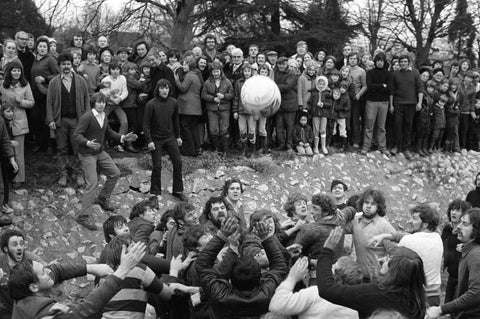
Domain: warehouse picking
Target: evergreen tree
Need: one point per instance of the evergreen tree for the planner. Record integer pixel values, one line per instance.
(462, 32)
(16, 15)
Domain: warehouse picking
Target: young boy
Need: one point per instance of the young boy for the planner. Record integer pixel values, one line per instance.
(341, 109)
(115, 225)
(303, 136)
(334, 79)
(424, 120)
(90, 134)
(162, 133)
(438, 122)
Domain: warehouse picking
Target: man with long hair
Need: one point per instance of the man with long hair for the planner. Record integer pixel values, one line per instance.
(466, 304)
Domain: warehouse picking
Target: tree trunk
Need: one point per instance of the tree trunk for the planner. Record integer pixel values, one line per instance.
(275, 19)
(181, 25)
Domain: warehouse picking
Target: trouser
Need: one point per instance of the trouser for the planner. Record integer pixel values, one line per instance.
(463, 129)
(133, 119)
(375, 113)
(190, 132)
(20, 158)
(64, 137)
(451, 288)
(285, 125)
(248, 124)
(342, 127)
(218, 122)
(121, 115)
(170, 146)
(105, 165)
(357, 117)
(6, 179)
(38, 127)
(403, 118)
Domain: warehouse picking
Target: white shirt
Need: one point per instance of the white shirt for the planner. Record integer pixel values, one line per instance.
(99, 116)
(429, 246)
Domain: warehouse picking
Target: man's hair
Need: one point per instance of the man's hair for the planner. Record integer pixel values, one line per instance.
(326, 203)
(386, 314)
(208, 205)
(110, 224)
(191, 62)
(91, 49)
(65, 56)
(428, 215)
(209, 36)
(9, 233)
(403, 57)
(113, 66)
(474, 214)
(355, 54)
(97, 97)
(229, 182)
(162, 225)
(336, 182)
(17, 35)
(457, 204)
(173, 53)
(377, 197)
(192, 235)
(246, 273)
(289, 206)
(162, 83)
(259, 215)
(237, 51)
(349, 272)
(180, 209)
(253, 46)
(77, 34)
(113, 251)
(21, 276)
(352, 201)
(141, 207)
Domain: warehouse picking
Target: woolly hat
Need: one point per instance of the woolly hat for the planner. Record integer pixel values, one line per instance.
(321, 78)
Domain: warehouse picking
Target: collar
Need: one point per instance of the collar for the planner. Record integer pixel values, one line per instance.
(366, 221)
(468, 247)
(68, 77)
(407, 69)
(95, 113)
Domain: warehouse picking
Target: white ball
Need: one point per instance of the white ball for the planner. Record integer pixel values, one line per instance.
(261, 96)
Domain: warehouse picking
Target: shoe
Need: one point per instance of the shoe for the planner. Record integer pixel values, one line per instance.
(407, 155)
(356, 145)
(386, 153)
(80, 180)
(105, 205)
(421, 152)
(394, 151)
(119, 148)
(130, 148)
(180, 196)
(364, 152)
(5, 220)
(7, 209)
(62, 181)
(50, 151)
(86, 222)
(36, 149)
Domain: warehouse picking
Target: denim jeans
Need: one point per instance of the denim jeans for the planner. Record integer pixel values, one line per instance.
(375, 112)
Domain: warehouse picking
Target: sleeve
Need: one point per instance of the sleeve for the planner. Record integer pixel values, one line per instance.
(142, 233)
(206, 95)
(228, 95)
(363, 79)
(49, 105)
(471, 297)
(81, 130)
(97, 299)
(66, 271)
(151, 282)
(111, 134)
(300, 91)
(123, 88)
(176, 121)
(147, 116)
(353, 297)
(27, 99)
(236, 97)
(158, 265)
(7, 149)
(185, 85)
(52, 68)
(286, 302)
(210, 281)
(278, 267)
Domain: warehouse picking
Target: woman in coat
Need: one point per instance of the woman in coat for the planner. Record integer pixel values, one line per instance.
(16, 92)
(190, 106)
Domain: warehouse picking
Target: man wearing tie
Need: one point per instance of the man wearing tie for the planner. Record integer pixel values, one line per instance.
(92, 129)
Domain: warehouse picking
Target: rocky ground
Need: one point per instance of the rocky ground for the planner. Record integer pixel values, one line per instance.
(45, 211)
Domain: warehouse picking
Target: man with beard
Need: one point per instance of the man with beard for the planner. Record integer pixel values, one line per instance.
(338, 189)
(12, 243)
(466, 304)
(214, 213)
(210, 43)
(426, 242)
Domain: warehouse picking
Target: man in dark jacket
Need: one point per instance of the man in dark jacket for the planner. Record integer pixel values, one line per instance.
(466, 304)
(285, 117)
(378, 91)
(29, 282)
(247, 294)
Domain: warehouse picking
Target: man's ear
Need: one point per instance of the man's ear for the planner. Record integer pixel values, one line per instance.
(5, 250)
(33, 287)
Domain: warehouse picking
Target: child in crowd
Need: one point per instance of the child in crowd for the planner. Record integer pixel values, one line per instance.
(264, 70)
(452, 114)
(345, 76)
(438, 122)
(476, 122)
(341, 110)
(8, 171)
(424, 119)
(303, 136)
(130, 105)
(321, 112)
(334, 81)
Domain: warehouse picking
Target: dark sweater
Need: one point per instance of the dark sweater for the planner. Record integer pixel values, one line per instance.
(27, 59)
(473, 197)
(378, 85)
(160, 120)
(88, 129)
(162, 71)
(405, 85)
(365, 298)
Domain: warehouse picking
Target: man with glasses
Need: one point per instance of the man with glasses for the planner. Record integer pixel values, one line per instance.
(234, 70)
(24, 54)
